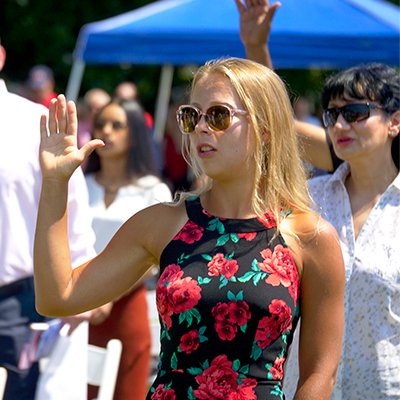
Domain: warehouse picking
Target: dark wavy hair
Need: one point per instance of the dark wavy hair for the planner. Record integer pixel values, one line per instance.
(142, 155)
(375, 82)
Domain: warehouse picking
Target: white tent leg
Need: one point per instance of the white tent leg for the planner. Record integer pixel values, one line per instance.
(164, 92)
(75, 80)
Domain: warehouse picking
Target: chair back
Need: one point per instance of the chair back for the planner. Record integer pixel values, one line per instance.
(103, 365)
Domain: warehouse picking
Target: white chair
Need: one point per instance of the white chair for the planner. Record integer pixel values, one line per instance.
(3, 381)
(103, 364)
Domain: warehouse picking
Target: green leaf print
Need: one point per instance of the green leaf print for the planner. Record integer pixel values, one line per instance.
(189, 315)
(202, 337)
(203, 281)
(182, 258)
(220, 227)
(174, 361)
(195, 371)
(244, 370)
(236, 365)
(164, 333)
(254, 265)
(243, 328)
(223, 239)
(246, 277)
(223, 283)
(277, 391)
(216, 224)
(207, 257)
(257, 278)
(227, 236)
(232, 297)
(191, 396)
(256, 351)
(234, 237)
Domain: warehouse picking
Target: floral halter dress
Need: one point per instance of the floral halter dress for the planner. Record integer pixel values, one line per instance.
(228, 302)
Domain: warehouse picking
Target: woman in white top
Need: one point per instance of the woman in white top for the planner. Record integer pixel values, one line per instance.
(362, 201)
(122, 179)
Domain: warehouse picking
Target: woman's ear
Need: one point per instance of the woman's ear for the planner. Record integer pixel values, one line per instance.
(394, 124)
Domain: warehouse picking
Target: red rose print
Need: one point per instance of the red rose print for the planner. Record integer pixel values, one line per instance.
(183, 294)
(269, 220)
(163, 306)
(239, 312)
(190, 233)
(170, 273)
(219, 265)
(282, 313)
(248, 236)
(220, 311)
(218, 381)
(175, 295)
(190, 341)
(277, 369)
(163, 394)
(245, 390)
(281, 269)
(225, 330)
(270, 328)
(228, 316)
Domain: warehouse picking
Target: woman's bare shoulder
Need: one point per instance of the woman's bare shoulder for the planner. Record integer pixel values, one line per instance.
(308, 227)
(157, 225)
(309, 236)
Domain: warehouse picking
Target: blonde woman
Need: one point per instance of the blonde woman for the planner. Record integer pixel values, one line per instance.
(237, 258)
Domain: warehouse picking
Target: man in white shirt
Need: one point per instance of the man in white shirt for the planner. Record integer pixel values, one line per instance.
(20, 183)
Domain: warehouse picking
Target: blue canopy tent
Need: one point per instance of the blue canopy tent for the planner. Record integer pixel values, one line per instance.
(305, 34)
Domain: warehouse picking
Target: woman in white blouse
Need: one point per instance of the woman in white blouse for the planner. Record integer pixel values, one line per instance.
(362, 201)
(122, 179)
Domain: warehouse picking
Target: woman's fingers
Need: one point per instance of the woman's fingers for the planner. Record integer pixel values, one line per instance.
(53, 126)
(61, 114)
(241, 8)
(91, 146)
(72, 119)
(43, 127)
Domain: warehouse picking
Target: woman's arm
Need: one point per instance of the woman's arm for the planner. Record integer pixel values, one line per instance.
(322, 306)
(314, 145)
(59, 289)
(255, 27)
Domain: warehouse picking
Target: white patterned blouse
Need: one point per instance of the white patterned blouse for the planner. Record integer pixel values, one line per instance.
(370, 366)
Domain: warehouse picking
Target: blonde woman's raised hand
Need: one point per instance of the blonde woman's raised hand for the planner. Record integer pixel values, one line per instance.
(255, 21)
(58, 152)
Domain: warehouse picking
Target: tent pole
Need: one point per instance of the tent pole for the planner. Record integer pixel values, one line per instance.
(75, 80)
(164, 92)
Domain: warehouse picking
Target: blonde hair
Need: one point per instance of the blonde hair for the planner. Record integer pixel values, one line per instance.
(280, 179)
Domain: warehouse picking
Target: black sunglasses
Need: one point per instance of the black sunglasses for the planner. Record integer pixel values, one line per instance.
(116, 125)
(218, 117)
(350, 112)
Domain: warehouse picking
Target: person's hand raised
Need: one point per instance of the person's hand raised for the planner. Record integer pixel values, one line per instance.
(58, 152)
(255, 21)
